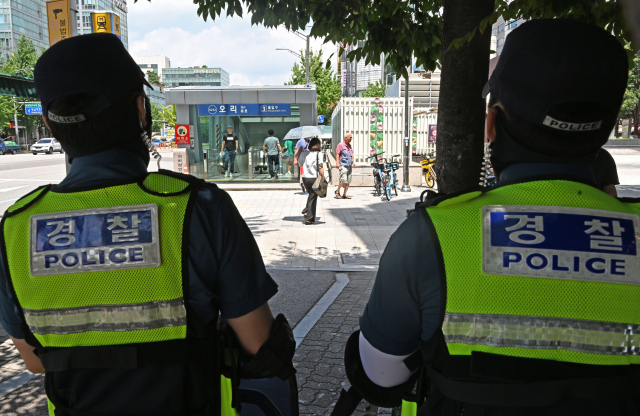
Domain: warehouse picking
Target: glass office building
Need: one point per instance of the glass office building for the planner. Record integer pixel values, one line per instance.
(29, 18)
(252, 112)
(187, 77)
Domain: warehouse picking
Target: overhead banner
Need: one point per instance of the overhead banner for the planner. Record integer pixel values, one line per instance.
(244, 109)
(58, 20)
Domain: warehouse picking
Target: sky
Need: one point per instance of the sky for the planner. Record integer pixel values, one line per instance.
(174, 29)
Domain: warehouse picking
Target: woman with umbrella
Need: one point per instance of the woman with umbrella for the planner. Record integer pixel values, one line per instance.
(312, 169)
(304, 134)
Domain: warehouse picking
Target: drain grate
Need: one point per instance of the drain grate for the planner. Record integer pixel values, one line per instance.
(360, 258)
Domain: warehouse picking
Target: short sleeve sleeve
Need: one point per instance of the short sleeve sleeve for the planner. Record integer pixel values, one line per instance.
(225, 260)
(404, 307)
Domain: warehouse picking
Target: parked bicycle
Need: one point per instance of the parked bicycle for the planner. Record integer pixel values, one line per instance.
(428, 167)
(393, 178)
(379, 177)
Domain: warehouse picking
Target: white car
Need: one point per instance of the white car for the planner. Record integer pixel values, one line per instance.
(49, 145)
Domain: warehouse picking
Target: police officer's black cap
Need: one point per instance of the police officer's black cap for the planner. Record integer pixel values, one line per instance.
(94, 63)
(550, 62)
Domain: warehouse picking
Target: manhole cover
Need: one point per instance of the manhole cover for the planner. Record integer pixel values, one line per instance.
(360, 258)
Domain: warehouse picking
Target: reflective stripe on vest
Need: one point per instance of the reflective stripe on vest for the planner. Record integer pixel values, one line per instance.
(526, 288)
(539, 332)
(107, 318)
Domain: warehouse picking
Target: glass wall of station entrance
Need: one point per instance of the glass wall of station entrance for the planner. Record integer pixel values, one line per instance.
(251, 162)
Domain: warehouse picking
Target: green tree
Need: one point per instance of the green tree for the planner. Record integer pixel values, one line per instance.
(632, 94)
(153, 78)
(450, 33)
(21, 63)
(375, 90)
(160, 112)
(328, 87)
(204, 66)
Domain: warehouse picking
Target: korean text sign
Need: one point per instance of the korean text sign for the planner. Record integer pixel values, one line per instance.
(244, 109)
(183, 135)
(58, 20)
(561, 243)
(98, 239)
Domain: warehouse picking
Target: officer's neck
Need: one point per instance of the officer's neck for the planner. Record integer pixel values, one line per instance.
(108, 166)
(523, 171)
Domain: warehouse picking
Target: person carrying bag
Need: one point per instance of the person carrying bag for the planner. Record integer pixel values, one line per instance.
(313, 180)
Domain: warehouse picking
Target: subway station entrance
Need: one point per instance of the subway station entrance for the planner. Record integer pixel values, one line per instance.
(252, 112)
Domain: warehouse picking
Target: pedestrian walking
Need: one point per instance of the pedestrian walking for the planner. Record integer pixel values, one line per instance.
(274, 152)
(344, 156)
(229, 150)
(302, 150)
(288, 150)
(312, 169)
(115, 281)
(520, 299)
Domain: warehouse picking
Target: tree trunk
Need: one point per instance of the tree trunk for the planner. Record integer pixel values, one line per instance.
(461, 110)
(635, 121)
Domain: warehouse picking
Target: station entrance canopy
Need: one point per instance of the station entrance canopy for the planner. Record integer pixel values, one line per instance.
(17, 86)
(252, 112)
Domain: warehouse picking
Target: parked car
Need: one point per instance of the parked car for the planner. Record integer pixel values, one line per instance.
(48, 145)
(8, 147)
(157, 142)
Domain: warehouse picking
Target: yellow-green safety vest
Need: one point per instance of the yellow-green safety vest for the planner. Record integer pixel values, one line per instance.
(103, 266)
(545, 269)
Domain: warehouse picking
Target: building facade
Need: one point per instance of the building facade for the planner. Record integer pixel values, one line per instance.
(356, 75)
(153, 63)
(499, 32)
(156, 95)
(194, 77)
(29, 18)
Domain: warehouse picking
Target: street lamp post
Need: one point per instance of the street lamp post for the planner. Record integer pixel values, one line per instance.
(407, 137)
(307, 58)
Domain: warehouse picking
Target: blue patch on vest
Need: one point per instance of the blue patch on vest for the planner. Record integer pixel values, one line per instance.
(561, 242)
(97, 239)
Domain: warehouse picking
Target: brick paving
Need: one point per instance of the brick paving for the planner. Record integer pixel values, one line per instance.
(319, 358)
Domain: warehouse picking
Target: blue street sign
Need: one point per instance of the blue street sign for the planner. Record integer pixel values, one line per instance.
(33, 109)
(244, 109)
(320, 119)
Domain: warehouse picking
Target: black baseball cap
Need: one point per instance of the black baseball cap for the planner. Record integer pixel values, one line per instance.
(93, 63)
(547, 63)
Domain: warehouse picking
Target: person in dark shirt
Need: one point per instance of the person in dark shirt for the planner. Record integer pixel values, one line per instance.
(223, 276)
(606, 173)
(229, 151)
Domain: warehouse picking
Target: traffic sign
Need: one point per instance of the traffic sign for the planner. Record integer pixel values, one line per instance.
(320, 119)
(105, 22)
(33, 109)
(182, 134)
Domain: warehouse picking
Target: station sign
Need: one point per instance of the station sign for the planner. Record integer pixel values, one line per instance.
(34, 109)
(244, 110)
(106, 23)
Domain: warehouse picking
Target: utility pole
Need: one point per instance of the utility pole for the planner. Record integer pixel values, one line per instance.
(308, 80)
(15, 120)
(407, 135)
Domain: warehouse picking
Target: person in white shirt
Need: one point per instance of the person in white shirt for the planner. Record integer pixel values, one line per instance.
(312, 168)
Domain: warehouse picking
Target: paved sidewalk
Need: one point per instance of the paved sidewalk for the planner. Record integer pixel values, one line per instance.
(348, 232)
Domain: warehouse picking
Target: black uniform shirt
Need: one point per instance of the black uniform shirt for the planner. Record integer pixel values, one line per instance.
(230, 142)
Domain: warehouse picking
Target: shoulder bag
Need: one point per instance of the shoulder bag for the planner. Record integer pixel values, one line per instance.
(320, 185)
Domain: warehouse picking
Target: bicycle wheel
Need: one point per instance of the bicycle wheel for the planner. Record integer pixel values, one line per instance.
(387, 188)
(377, 185)
(395, 184)
(430, 178)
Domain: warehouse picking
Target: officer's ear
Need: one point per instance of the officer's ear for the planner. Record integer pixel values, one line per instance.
(46, 122)
(142, 110)
(490, 125)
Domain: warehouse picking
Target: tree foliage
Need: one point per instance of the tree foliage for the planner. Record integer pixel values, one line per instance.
(375, 90)
(20, 63)
(632, 94)
(402, 29)
(328, 87)
(160, 112)
(153, 78)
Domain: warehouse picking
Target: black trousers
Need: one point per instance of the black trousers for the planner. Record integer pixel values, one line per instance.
(312, 200)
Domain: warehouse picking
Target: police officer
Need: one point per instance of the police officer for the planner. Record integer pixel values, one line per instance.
(519, 299)
(113, 281)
